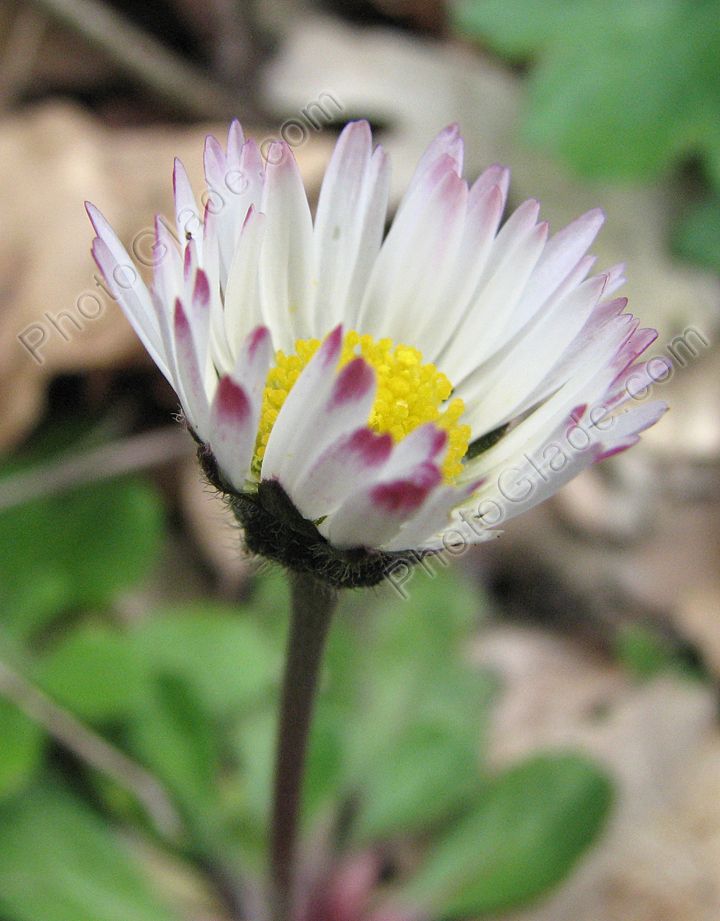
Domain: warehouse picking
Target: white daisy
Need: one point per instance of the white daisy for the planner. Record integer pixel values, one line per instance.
(360, 397)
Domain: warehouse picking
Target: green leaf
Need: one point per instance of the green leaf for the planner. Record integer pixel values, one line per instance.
(416, 753)
(326, 768)
(227, 659)
(423, 776)
(59, 862)
(93, 671)
(411, 671)
(21, 750)
(80, 547)
(646, 653)
(601, 92)
(515, 36)
(255, 741)
(526, 833)
(699, 236)
(175, 737)
(401, 721)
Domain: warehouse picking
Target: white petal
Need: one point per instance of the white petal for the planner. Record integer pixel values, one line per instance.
(216, 167)
(446, 144)
(530, 479)
(493, 309)
(615, 278)
(464, 529)
(586, 387)
(560, 256)
(286, 259)
(496, 394)
(415, 260)
(242, 297)
(219, 355)
(236, 142)
(425, 444)
(126, 285)
(349, 226)
(167, 264)
(493, 176)
(198, 312)
(194, 395)
(514, 231)
(628, 426)
(572, 358)
(234, 186)
(187, 215)
(218, 203)
(483, 218)
(242, 191)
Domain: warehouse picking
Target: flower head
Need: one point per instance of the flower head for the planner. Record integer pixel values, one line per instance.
(362, 398)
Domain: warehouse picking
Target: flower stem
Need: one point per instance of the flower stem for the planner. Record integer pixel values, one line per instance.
(313, 603)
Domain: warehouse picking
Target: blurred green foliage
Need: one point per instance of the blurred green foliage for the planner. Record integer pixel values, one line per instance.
(645, 652)
(619, 88)
(60, 861)
(522, 836)
(189, 692)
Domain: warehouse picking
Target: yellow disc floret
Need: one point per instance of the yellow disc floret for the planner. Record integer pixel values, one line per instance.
(409, 394)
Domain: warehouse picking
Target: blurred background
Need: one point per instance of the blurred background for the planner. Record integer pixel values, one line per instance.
(136, 704)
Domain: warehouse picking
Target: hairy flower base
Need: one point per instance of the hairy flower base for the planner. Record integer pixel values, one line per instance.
(276, 530)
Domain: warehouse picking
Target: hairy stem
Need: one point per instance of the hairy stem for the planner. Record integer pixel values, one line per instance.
(313, 603)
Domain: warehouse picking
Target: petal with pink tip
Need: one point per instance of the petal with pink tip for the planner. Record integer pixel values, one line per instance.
(346, 408)
(233, 428)
(195, 402)
(448, 144)
(433, 516)
(312, 387)
(236, 407)
(252, 364)
(372, 517)
(347, 465)
(425, 444)
(126, 285)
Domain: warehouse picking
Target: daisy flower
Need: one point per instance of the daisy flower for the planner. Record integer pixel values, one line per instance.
(364, 398)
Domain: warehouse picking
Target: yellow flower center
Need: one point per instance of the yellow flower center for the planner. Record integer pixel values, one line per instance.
(409, 394)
